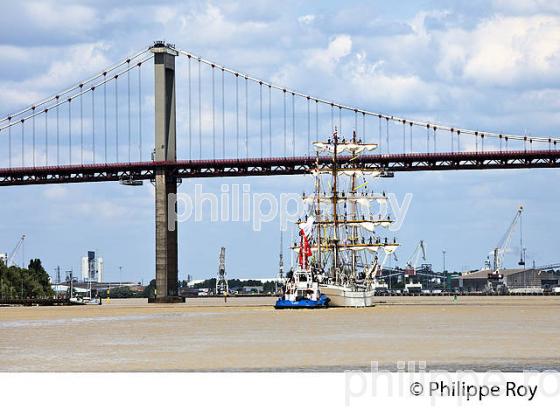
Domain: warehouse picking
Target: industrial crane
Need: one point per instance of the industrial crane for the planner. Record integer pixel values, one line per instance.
(13, 254)
(502, 247)
(410, 268)
(221, 281)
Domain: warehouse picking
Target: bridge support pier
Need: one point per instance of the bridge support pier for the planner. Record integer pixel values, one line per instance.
(165, 182)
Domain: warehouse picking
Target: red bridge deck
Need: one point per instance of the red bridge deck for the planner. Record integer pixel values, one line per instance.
(279, 166)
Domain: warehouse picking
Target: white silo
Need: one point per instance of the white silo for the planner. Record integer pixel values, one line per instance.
(99, 268)
(85, 268)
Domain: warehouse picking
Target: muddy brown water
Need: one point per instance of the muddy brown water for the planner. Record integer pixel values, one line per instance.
(247, 334)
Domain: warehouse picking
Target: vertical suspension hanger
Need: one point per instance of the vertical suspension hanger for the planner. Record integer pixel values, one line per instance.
(237, 113)
(411, 125)
(247, 116)
(356, 122)
(476, 140)
(82, 124)
(404, 136)
(213, 111)
(387, 132)
(189, 83)
(105, 115)
(379, 136)
(451, 132)
(363, 126)
(308, 126)
(435, 141)
(141, 143)
(293, 124)
(199, 110)
(117, 116)
(33, 134)
(332, 118)
(270, 119)
(57, 130)
(129, 113)
(22, 142)
(9, 142)
(261, 117)
(427, 137)
(93, 121)
(223, 115)
(285, 142)
(46, 112)
(316, 119)
(340, 121)
(69, 130)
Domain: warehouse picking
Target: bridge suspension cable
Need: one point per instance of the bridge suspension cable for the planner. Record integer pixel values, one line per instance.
(42, 149)
(388, 118)
(77, 86)
(288, 129)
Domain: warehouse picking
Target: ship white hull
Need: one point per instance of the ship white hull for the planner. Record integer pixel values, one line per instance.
(342, 296)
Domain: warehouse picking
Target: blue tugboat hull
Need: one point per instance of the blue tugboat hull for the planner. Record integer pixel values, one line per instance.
(323, 302)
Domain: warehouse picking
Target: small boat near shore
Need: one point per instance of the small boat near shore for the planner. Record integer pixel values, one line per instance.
(301, 291)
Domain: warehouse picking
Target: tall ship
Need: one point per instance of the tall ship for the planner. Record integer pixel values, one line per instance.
(341, 240)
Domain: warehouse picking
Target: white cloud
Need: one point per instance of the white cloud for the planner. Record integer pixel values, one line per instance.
(54, 15)
(386, 89)
(306, 20)
(73, 64)
(76, 63)
(327, 59)
(211, 26)
(164, 15)
(526, 6)
(503, 51)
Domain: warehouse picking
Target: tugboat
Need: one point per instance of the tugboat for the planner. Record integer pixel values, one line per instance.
(345, 247)
(300, 289)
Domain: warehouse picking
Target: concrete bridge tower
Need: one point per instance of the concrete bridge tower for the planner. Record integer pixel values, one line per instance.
(165, 181)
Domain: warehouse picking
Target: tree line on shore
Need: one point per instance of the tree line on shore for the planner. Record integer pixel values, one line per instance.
(21, 283)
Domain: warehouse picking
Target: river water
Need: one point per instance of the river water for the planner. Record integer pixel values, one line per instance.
(247, 334)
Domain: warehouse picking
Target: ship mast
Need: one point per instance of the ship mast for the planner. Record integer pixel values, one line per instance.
(335, 203)
(354, 216)
(318, 212)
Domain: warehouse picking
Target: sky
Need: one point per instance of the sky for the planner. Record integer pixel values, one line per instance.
(480, 64)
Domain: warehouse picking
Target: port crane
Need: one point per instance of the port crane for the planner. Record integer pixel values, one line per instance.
(411, 263)
(13, 254)
(502, 247)
(280, 263)
(221, 281)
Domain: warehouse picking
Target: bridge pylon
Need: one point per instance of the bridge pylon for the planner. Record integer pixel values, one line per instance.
(165, 181)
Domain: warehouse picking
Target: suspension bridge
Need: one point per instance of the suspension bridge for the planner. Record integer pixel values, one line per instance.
(190, 117)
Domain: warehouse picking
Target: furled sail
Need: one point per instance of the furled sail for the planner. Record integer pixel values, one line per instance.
(363, 200)
(368, 225)
(349, 172)
(351, 147)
